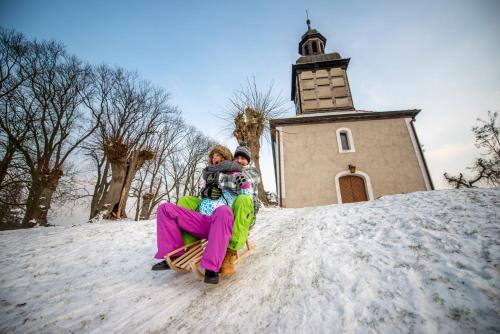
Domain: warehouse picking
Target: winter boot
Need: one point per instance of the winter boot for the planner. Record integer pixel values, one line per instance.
(163, 265)
(211, 277)
(227, 268)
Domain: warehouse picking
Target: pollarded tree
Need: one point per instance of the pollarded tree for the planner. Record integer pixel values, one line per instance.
(486, 169)
(248, 114)
(132, 109)
(99, 101)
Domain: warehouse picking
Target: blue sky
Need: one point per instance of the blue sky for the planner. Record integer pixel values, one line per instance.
(439, 56)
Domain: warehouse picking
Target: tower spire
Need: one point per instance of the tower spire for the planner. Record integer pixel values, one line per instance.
(312, 42)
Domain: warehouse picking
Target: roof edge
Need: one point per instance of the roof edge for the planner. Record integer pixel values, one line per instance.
(355, 116)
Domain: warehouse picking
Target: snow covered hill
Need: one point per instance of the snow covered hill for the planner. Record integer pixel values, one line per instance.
(425, 262)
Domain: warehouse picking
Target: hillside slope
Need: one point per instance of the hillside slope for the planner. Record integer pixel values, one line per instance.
(421, 262)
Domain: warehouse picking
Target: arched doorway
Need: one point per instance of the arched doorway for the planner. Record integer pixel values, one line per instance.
(352, 189)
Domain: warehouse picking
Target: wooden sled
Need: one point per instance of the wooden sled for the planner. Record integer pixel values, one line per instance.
(181, 264)
(193, 252)
(240, 255)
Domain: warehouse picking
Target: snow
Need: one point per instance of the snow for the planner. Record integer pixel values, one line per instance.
(424, 262)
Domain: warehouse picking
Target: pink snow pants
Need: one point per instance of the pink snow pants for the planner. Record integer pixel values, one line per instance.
(217, 229)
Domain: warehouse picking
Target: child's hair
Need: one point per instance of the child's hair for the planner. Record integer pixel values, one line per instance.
(222, 150)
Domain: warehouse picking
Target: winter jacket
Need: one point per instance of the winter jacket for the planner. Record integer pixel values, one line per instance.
(212, 175)
(225, 166)
(227, 181)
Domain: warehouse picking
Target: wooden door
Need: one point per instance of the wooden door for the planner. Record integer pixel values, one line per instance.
(352, 189)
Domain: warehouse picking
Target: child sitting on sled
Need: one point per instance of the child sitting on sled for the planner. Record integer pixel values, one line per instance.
(245, 206)
(212, 222)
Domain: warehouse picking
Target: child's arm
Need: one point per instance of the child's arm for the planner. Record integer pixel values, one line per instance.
(228, 182)
(252, 175)
(241, 183)
(247, 189)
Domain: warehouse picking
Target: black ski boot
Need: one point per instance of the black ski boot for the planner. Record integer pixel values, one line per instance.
(211, 277)
(163, 265)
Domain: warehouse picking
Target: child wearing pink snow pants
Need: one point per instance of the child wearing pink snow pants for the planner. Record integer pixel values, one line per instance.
(217, 229)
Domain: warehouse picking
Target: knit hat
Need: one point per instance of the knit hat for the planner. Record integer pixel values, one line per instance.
(244, 151)
(222, 150)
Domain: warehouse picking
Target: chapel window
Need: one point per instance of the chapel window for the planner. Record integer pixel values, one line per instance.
(344, 141)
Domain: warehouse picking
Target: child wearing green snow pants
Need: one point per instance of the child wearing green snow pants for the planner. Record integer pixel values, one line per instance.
(243, 218)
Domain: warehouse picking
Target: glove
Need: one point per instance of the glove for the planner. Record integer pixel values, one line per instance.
(240, 180)
(212, 178)
(212, 193)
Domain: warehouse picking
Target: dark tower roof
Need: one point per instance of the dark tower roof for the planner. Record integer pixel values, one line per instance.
(310, 34)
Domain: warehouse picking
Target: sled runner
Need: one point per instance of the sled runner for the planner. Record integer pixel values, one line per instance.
(191, 254)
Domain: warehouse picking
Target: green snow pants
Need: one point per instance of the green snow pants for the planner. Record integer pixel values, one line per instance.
(191, 203)
(243, 218)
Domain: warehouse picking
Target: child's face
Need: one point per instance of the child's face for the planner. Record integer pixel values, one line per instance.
(241, 160)
(216, 158)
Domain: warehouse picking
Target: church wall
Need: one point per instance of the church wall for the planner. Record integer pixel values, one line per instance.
(383, 150)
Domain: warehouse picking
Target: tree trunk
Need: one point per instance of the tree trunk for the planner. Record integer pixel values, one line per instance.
(249, 127)
(100, 189)
(155, 199)
(32, 203)
(6, 160)
(124, 170)
(131, 170)
(254, 145)
(11, 216)
(118, 174)
(151, 207)
(138, 207)
(45, 202)
(136, 161)
(40, 198)
(146, 204)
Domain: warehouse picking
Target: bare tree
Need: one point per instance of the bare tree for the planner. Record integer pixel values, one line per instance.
(13, 131)
(194, 158)
(13, 194)
(99, 100)
(176, 171)
(13, 48)
(52, 105)
(486, 169)
(149, 185)
(181, 169)
(102, 182)
(14, 175)
(132, 110)
(49, 103)
(248, 115)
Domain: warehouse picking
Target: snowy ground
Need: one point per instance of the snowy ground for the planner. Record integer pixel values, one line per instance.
(426, 262)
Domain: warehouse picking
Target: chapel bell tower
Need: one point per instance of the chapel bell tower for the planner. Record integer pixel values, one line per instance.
(319, 79)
